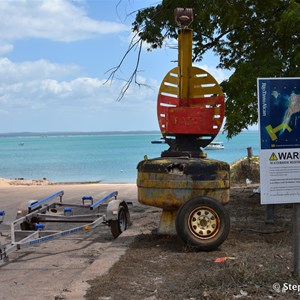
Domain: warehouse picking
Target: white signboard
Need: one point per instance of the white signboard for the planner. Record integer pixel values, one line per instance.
(279, 119)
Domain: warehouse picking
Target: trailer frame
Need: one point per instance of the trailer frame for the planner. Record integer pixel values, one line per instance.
(32, 219)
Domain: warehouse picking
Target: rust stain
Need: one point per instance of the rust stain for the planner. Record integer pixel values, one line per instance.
(169, 182)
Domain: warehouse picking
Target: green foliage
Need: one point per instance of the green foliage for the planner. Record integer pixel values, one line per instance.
(253, 38)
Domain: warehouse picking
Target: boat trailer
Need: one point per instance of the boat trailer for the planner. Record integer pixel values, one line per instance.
(32, 217)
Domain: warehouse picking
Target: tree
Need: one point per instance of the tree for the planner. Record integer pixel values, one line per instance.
(253, 38)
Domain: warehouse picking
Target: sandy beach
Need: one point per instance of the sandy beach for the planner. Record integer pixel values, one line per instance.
(44, 272)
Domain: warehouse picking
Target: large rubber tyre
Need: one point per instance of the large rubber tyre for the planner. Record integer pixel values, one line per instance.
(203, 223)
(121, 224)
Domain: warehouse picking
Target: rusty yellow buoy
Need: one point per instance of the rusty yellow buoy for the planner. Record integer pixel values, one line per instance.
(190, 188)
(175, 184)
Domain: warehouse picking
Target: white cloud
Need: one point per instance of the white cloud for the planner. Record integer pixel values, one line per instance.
(83, 104)
(36, 85)
(42, 95)
(30, 70)
(57, 20)
(5, 47)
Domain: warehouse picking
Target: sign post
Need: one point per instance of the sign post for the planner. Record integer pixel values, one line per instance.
(296, 242)
(279, 119)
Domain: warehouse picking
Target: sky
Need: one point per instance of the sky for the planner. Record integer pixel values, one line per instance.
(55, 60)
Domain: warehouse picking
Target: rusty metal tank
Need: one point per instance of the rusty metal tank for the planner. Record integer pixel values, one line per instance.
(169, 182)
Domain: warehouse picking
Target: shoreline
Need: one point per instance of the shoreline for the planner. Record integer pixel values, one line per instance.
(46, 182)
(242, 171)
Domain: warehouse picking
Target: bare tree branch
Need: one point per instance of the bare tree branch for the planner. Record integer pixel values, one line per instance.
(134, 44)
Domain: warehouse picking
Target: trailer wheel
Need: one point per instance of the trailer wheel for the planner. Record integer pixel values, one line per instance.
(121, 224)
(203, 223)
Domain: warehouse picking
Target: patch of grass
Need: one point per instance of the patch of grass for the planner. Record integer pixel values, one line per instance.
(245, 169)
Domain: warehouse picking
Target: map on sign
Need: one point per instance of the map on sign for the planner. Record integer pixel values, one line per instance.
(279, 112)
(279, 120)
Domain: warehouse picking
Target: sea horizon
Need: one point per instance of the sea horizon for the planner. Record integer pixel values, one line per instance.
(106, 157)
(87, 133)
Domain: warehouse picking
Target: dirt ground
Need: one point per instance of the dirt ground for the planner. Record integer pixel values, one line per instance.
(258, 258)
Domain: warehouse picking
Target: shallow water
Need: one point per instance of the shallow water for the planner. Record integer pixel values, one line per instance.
(106, 158)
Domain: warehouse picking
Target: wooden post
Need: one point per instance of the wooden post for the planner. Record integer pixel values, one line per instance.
(296, 234)
(249, 151)
(269, 218)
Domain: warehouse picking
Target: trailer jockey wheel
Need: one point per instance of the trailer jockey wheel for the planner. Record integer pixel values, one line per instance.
(29, 225)
(203, 223)
(121, 224)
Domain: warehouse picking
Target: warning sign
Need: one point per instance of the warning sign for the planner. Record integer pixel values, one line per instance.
(273, 157)
(279, 120)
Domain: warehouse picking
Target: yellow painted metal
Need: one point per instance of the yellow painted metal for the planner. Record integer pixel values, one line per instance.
(172, 199)
(170, 89)
(169, 182)
(186, 81)
(184, 61)
(200, 84)
(192, 80)
(169, 188)
(171, 79)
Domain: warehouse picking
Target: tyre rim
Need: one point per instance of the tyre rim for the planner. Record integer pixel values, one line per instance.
(204, 222)
(122, 221)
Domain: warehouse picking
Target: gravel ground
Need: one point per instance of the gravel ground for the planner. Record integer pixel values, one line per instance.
(256, 256)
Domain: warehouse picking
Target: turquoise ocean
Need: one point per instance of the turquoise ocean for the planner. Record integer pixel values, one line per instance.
(109, 158)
